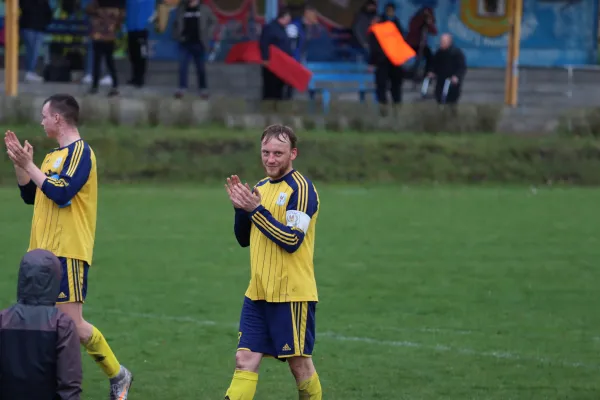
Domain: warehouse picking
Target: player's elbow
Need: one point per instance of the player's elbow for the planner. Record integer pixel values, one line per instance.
(28, 199)
(244, 242)
(243, 238)
(60, 197)
(291, 248)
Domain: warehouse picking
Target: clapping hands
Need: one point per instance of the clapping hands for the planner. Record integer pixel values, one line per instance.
(21, 156)
(241, 195)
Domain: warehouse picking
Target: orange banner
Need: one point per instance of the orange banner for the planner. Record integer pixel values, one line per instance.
(392, 42)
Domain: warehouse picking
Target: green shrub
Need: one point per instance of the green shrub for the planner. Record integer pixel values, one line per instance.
(192, 155)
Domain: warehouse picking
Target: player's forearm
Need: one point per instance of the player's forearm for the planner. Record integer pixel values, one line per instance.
(242, 227)
(56, 190)
(284, 236)
(36, 175)
(26, 185)
(22, 176)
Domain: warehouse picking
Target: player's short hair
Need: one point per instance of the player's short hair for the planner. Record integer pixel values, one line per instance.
(283, 12)
(66, 106)
(281, 132)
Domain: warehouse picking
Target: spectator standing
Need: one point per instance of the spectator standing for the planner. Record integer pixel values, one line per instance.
(387, 75)
(389, 14)
(194, 27)
(106, 19)
(39, 345)
(297, 32)
(362, 22)
(421, 25)
(35, 17)
(138, 13)
(106, 80)
(274, 33)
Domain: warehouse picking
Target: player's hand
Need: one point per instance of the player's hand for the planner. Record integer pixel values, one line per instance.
(9, 139)
(248, 199)
(19, 155)
(28, 148)
(231, 182)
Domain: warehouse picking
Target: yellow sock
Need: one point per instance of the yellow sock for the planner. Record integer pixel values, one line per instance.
(243, 385)
(102, 354)
(310, 389)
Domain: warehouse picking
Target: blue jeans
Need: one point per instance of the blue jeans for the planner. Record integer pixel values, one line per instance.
(33, 43)
(194, 51)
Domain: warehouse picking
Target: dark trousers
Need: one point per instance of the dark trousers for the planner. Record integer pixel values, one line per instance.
(426, 56)
(104, 50)
(389, 76)
(194, 52)
(273, 87)
(138, 55)
(288, 92)
(453, 92)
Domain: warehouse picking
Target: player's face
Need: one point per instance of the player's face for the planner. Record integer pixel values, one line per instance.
(49, 121)
(277, 157)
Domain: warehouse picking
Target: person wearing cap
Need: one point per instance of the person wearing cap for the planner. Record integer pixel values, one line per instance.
(39, 345)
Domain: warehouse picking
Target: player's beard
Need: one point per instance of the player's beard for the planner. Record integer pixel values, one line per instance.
(277, 172)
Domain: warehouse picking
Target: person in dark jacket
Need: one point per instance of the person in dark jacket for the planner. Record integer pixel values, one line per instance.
(386, 73)
(274, 33)
(138, 13)
(194, 27)
(39, 345)
(448, 63)
(362, 22)
(389, 14)
(297, 32)
(35, 17)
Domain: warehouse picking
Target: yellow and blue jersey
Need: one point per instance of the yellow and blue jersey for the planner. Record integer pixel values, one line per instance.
(281, 236)
(65, 207)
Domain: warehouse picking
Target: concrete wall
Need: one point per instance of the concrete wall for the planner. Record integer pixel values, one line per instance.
(545, 95)
(239, 112)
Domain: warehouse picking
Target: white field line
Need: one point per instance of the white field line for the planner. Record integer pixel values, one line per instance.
(499, 355)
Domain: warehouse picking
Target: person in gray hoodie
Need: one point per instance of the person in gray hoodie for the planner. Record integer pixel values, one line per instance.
(39, 345)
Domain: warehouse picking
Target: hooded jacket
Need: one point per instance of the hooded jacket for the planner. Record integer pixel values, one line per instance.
(362, 22)
(39, 347)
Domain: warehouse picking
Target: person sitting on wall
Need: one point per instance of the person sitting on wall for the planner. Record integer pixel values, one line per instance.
(448, 63)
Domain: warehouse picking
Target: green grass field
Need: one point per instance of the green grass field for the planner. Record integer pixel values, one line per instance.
(426, 293)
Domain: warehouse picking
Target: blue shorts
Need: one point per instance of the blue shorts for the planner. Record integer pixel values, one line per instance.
(73, 285)
(279, 330)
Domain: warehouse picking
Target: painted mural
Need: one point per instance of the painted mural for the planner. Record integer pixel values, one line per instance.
(553, 33)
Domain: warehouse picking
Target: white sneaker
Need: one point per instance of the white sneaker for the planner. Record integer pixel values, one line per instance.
(33, 77)
(106, 81)
(87, 79)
